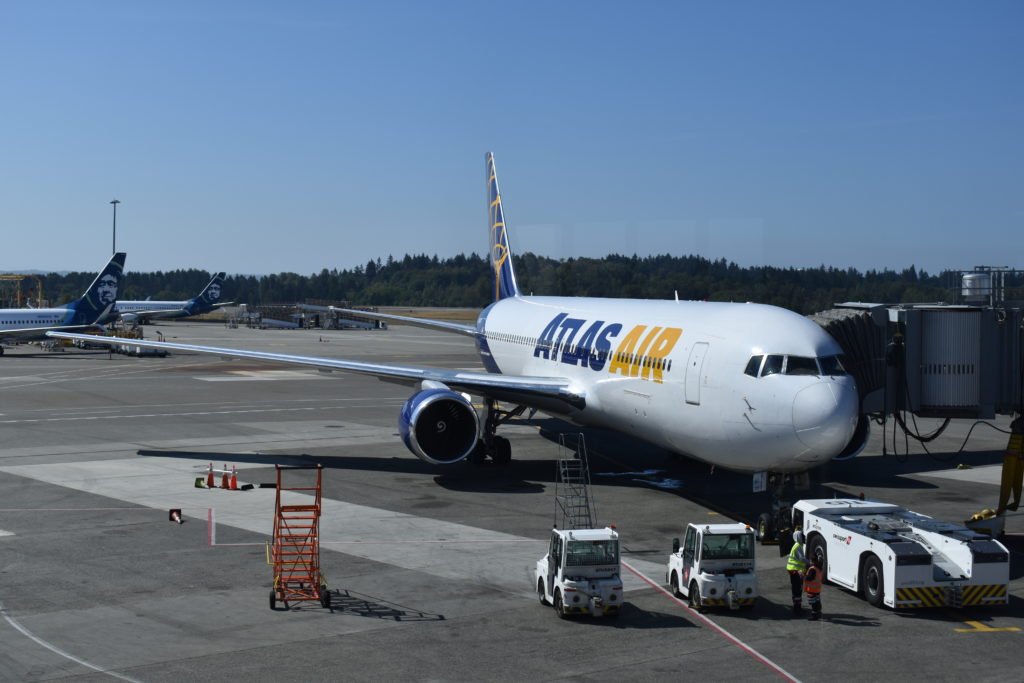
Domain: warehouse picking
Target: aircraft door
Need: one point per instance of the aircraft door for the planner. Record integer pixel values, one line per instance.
(693, 372)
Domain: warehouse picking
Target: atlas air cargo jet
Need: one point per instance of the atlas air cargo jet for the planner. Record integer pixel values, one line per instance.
(144, 311)
(748, 387)
(28, 324)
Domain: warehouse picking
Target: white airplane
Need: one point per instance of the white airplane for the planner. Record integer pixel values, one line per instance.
(747, 387)
(27, 324)
(143, 311)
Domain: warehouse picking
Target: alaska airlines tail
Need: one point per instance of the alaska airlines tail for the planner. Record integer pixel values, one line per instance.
(501, 254)
(99, 298)
(209, 298)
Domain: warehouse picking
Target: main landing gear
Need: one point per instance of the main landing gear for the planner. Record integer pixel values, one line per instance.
(490, 445)
(776, 526)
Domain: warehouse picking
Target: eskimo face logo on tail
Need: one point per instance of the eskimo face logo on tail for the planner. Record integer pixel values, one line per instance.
(642, 352)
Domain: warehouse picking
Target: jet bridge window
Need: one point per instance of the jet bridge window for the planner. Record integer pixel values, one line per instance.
(753, 365)
(801, 365)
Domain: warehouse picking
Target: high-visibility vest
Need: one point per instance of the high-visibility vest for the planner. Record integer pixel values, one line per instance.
(796, 562)
(812, 581)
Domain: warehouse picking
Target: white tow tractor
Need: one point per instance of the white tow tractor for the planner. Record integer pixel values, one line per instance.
(900, 558)
(714, 567)
(580, 573)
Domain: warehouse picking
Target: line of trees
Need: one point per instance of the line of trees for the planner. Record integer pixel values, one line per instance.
(466, 281)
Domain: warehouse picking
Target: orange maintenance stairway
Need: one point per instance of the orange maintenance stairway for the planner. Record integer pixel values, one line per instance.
(295, 549)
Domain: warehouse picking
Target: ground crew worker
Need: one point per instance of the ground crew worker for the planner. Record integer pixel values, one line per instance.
(796, 565)
(812, 586)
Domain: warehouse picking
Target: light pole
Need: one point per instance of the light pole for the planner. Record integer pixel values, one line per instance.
(115, 202)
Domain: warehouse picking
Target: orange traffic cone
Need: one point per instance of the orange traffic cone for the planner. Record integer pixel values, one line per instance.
(224, 477)
(174, 515)
(233, 484)
(209, 477)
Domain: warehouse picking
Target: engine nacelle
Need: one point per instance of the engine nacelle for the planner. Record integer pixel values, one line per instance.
(439, 426)
(858, 441)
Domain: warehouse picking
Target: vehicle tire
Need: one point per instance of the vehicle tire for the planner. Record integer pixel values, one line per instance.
(612, 614)
(764, 528)
(818, 548)
(872, 581)
(478, 454)
(674, 585)
(540, 593)
(501, 451)
(273, 600)
(559, 607)
(695, 601)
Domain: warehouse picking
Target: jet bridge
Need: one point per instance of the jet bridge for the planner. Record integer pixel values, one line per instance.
(961, 360)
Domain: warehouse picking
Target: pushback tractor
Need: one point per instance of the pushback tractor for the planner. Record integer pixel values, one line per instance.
(902, 559)
(581, 574)
(714, 567)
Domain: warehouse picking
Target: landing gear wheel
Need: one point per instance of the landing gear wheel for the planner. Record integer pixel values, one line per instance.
(273, 600)
(764, 528)
(559, 607)
(872, 581)
(540, 593)
(501, 450)
(325, 597)
(695, 601)
(478, 454)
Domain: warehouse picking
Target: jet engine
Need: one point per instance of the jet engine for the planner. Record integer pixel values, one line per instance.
(439, 426)
(858, 441)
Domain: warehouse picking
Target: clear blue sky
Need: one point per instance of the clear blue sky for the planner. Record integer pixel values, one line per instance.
(259, 137)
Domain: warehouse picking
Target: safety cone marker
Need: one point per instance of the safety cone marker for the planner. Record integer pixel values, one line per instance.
(224, 477)
(209, 477)
(233, 484)
(174, 515)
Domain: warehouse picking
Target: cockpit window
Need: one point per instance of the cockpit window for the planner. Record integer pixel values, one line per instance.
(753, 365)
(772, 365)
(832, 365)
(801, 365)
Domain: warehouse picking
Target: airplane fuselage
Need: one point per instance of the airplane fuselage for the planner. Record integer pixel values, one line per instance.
(22, 318)
(674, 373)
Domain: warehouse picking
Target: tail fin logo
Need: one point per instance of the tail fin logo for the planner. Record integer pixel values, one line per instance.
(101, 295)
(501, 254)
(212, 292)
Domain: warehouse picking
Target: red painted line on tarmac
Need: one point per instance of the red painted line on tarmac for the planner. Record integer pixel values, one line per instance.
(721, 631)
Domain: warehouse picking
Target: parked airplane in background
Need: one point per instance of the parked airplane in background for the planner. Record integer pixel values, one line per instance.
(26, 324)
(748, 387)
(143, 311)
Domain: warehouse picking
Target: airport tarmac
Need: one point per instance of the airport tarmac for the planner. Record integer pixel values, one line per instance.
(430, 568)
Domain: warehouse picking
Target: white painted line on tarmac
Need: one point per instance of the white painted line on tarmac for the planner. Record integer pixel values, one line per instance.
(715, 627)
(53, 648)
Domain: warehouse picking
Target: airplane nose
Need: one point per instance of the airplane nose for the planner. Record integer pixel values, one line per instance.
(825, 416)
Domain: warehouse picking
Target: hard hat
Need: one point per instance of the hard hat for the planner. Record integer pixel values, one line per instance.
(798, 536)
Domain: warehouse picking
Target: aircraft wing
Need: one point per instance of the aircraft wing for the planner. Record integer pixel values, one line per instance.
(546, 393)
(441, 325)
(34, 331)
(155, 313)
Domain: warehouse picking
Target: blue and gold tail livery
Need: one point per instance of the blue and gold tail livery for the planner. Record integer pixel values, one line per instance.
(501, 254)
(101, 295)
